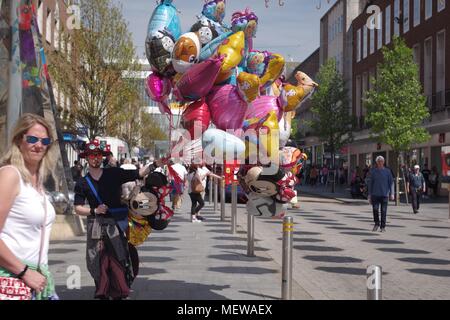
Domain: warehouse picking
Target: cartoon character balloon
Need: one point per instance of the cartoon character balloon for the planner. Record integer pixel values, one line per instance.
(186, 52)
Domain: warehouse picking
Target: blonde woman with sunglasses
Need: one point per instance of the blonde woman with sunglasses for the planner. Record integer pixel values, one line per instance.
(26, 215)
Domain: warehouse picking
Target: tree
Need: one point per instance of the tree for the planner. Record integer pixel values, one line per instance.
(332, 122)
(150, 131)
(395, 105)
(100, 51)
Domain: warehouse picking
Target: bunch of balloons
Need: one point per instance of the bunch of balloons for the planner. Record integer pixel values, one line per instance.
(220, 79)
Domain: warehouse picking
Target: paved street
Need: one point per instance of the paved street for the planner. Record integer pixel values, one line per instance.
(333, 246)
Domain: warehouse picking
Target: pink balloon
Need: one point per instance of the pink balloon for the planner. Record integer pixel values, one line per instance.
(198, 81)
(261, 106)
(227, 108)
(197, 113)
(158, 87)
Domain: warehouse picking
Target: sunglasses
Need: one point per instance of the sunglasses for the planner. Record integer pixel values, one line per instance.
(34, 140)
(95, 155)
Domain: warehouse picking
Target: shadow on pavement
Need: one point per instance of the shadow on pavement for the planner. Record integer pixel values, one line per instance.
(237, 247)
(155, 259)
(401, 250)
(382, 241)
(333, 259)
(237, 257)
(426, 261)
(260, 295)
(149, 247)
(242, 270)
(432, 272)
(430, 236)
(344, 270)
(61, 251)
(174, 290)
(318, 248)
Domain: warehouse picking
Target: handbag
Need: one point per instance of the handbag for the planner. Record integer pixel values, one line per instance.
(14, 288)
(197, 185)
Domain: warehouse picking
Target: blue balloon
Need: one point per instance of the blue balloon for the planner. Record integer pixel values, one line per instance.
(210, 48)
(165, 17)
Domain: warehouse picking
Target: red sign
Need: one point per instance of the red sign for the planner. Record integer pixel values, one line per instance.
(230, 172)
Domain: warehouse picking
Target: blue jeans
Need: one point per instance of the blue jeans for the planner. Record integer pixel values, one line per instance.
(376, 202)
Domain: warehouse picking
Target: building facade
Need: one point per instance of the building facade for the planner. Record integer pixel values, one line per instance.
(424, 25)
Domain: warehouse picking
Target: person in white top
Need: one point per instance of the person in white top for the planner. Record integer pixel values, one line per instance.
(26, 215)
(198, 173)
(178, 177)
(128, 187)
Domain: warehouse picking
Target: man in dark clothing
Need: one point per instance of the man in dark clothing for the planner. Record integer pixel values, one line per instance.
(415, 186)
(426, 175)
(76, 171)
(381, 186)
(107, 251)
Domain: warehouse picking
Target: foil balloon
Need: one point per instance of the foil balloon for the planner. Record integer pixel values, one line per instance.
(291, 97)
(285, 130)
(186, 52)
(164, 18)
(205, 31)
(267, 134)
(158, 49)
(158, 87)
(256, 63)
(261, 106)
(222, 145)
(209, 49)
(196, 118)
(138, 229)
(248, 86)
(273, 71)
(227, 108)
(232, 49)
(265, 207)
(214, 10)
(198, 81)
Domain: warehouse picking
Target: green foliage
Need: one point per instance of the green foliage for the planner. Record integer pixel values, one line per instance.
(88, 68)
(395, 105)
(331, 122)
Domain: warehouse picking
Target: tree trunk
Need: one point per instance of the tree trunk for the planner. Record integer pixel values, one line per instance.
(397, 184)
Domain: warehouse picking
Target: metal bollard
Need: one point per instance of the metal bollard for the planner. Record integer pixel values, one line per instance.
(222, 199)
(233, 207)
(210, 189)
(374, 290)
(250, 235)
(216, 194)
(286, 277)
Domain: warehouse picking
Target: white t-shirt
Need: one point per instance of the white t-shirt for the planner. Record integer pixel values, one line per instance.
(202, 173)
(22, 230)
(128, 187)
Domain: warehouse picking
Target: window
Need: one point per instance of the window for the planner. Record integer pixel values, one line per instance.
(416, 12)
(428, 9)
(388, 25)
(364, 93)
(358, 45)
(372, 41)
(440, 5)
(405, 16)
(397, 17)
(364, 45)
(427, 68)
(416, 57)
(358, 97)
(380, 31)
(440, 68)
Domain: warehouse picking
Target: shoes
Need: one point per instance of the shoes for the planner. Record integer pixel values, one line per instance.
(415, 212)
(375, 228)
(200, 218)
(195, 220)
(382, 230)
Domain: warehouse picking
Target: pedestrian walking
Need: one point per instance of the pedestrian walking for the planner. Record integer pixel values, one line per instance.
(26, 214)
(197, 186)
(426, 175)
(434, 181)
(313, 176)
(381, 188)
(178, 177)
(415, 187)
(76, 171)
(108, 255)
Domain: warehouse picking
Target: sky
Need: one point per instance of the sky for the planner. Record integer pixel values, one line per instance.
(292, 30)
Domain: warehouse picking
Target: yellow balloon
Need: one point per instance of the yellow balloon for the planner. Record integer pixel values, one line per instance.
(276, 90)
(274, 70)
(248, 86)
(294, 95)
(267, 132)
(232, 49)
(138, 229)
